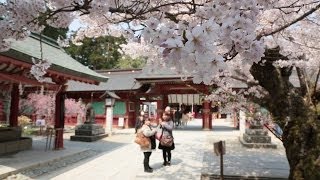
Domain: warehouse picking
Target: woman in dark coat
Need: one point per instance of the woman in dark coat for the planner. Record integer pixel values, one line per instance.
(166, 124)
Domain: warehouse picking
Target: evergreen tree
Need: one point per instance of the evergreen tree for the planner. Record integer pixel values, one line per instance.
(54, 33)
(126, 62)
(102, 53)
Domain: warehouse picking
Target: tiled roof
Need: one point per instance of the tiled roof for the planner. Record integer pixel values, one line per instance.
(170, 73)
(129, 80)
(61, 61)
(162, 73)
(118, 81)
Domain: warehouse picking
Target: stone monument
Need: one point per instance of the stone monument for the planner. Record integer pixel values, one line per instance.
(256, 136)
(89, 131)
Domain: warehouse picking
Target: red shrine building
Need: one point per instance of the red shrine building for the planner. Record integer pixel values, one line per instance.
(15, 79)
(138, 90)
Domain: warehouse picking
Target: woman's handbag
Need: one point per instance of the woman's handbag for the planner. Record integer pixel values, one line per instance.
(142, 140)
(167, 140)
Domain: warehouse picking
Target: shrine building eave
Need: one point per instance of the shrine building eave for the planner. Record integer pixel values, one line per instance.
(63, 66)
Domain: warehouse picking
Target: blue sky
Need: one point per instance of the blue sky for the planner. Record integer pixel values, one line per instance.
(75, 25)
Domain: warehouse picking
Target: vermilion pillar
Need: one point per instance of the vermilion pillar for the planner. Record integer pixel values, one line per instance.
(159, 108)
(165, 101)
(59, 121)
(127, 115)
(206, 115)
(14, 107)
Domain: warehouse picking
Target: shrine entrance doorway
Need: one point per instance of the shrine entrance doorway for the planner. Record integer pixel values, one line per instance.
(179, 94)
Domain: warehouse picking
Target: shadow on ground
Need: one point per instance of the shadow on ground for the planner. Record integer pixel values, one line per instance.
(76, 153)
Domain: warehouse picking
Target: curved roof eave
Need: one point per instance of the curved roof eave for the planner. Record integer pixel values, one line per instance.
(61, 62)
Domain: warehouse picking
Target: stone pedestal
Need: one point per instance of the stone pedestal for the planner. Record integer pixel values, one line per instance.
(88, 132)
(12, 142)
(14, 146)
(10, 133)
(256, 137)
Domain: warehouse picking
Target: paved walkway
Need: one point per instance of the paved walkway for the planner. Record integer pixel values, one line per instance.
(126, 162)
(117, 157)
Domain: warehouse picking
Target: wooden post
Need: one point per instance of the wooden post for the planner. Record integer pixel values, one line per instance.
(165, 101)
(14, 107)
(220, 149)
(159, 109)
(59, 121)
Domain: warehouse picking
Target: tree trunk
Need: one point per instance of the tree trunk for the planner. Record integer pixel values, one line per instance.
(301, 136)
(302, 142)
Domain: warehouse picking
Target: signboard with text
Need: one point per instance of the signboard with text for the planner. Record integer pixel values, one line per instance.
(219, 148)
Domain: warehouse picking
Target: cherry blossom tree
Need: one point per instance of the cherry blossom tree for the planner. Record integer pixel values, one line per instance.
(74, 107)
(42, 105)
(256, 42)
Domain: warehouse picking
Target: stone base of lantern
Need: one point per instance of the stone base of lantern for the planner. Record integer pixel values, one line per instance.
(88, 133)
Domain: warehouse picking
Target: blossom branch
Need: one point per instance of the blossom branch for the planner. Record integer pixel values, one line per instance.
(74, 7)
(292, 40)
(290, 24)
(293, 5)
(140, 14)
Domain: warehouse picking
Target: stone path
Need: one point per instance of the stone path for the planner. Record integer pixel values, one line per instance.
(117, 157)
(35, 162)
(126, 162)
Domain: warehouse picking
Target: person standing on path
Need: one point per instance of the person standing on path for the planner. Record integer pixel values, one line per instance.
(177, 117)
(139, 121)
(185, 118)
(149, 132)
(167, 127)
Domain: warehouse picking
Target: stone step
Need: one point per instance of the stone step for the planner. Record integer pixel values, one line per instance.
(256, 139)
(252, 126)
(89, 130)
(88, 138)
(257, 145)
(257, 132)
